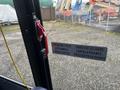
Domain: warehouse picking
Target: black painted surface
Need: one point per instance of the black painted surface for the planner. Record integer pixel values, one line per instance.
(90, 52)
(6, 84)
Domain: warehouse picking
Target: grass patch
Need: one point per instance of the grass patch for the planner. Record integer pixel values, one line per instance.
(113, 33)
(11, 28)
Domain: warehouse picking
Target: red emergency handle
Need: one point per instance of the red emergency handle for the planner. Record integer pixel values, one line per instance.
(42, 34)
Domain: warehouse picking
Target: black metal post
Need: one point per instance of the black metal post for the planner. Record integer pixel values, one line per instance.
(37, 10)
(39, 64)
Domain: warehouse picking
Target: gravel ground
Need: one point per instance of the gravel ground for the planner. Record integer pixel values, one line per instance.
(69, 73)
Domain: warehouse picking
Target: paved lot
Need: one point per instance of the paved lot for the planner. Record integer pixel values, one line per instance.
(69, 73)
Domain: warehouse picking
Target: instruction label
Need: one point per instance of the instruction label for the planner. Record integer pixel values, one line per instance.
(83, 51)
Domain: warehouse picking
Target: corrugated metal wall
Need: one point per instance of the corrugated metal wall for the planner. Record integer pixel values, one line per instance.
(48, 13)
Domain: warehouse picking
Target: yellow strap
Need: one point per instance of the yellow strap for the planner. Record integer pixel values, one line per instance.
(13, 62)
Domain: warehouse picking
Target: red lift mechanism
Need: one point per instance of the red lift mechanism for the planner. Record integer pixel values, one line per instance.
(42, 35)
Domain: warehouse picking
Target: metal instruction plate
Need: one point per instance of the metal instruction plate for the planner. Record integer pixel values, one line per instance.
(83, 51)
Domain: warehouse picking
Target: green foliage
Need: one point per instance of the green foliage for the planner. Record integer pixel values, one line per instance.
(6, 2)
(44, 3)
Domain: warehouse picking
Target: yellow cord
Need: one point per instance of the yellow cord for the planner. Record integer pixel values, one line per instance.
(11, 57)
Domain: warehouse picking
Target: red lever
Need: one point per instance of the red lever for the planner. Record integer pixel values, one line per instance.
(42, 34)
